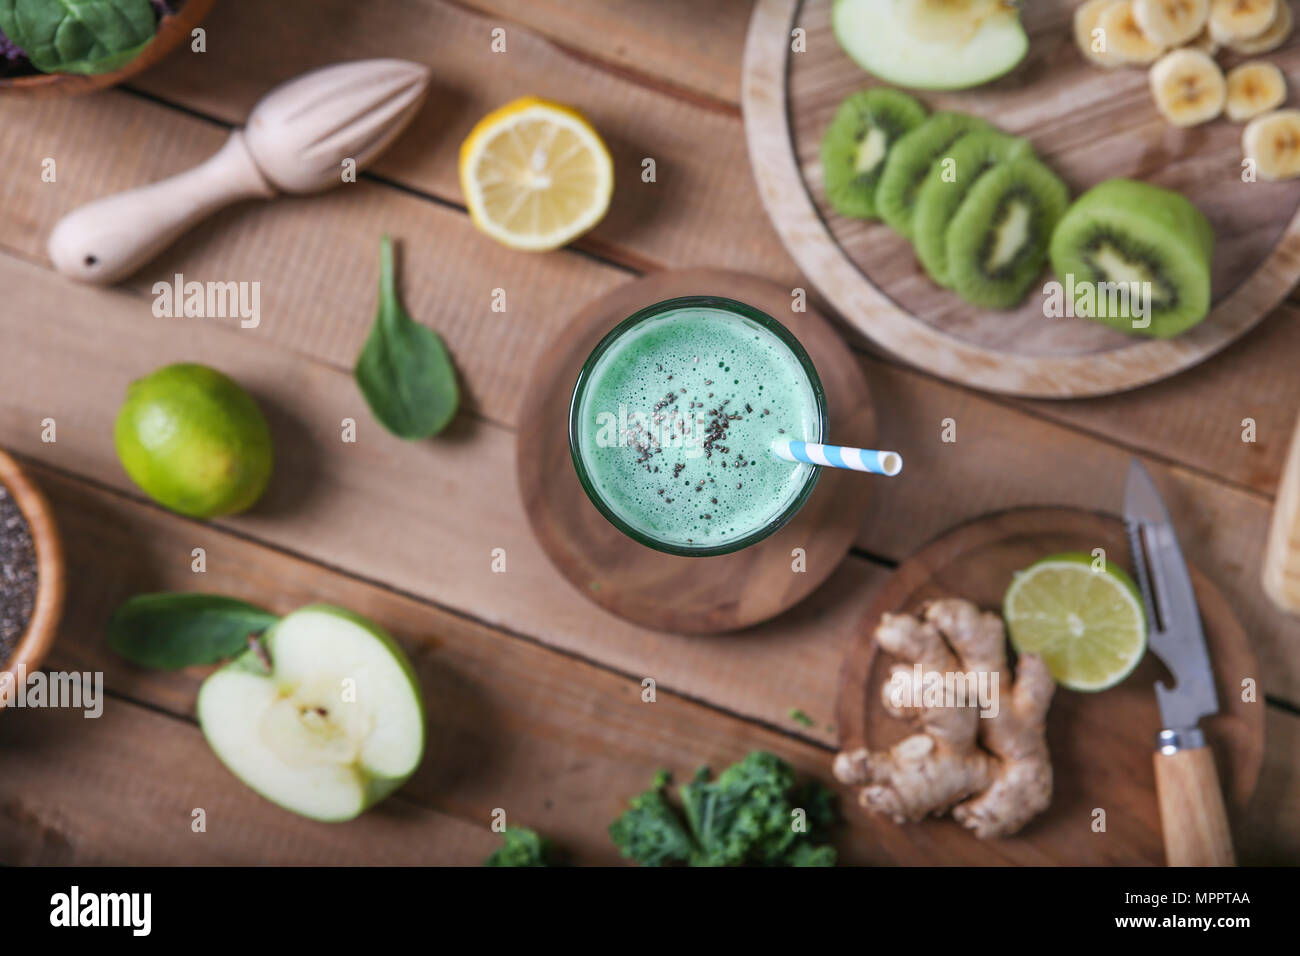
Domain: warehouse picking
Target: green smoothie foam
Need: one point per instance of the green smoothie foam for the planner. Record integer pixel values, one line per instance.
(675, 423)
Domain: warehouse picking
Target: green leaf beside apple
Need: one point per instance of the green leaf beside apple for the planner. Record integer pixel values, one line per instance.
(171, 631)
(321, 714)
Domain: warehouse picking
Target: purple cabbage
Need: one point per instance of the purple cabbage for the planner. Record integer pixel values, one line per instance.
(10, 50)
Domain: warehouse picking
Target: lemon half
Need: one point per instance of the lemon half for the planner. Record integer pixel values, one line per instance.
(535, 174)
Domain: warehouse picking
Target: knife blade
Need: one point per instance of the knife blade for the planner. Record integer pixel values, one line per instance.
(1173, 619)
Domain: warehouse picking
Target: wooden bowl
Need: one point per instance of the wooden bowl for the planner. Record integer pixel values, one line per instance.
(173, 30)
(35, 642)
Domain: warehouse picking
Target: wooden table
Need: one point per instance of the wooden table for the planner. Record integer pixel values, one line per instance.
(533, 693)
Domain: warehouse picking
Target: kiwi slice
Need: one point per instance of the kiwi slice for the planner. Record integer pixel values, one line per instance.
(997, 240)
(865, 128)
(947, 184)
(1122, 232)
(909, 163)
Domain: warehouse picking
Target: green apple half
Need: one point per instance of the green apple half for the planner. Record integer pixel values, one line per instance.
(332, 726)
(932, 44)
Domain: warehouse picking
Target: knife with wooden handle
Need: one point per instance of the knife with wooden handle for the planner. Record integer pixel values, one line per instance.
(1282, 555)
(1192, 814)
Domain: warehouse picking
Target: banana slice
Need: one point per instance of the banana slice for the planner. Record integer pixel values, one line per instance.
(1188, 87)
(1254, 88)
(1272, 38)
(1171, 22)
(1232, 20)
(1124, 37)
(1089, 35)
(1272, 141)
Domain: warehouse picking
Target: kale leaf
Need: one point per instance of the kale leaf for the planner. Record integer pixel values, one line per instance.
(743, 818)
(650, 832)
(522, 847)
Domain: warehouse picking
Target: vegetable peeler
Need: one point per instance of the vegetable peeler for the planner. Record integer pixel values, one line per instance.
(1192, 814)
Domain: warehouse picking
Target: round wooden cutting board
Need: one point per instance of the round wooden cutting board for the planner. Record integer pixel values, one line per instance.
(1101, 744)
(1089, 125)
(664, 591)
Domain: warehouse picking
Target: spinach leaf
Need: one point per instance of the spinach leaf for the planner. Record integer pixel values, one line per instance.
(404, 370)
(170, 631)
(79, 36)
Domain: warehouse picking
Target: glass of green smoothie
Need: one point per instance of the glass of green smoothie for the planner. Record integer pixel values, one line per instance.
(673, 418)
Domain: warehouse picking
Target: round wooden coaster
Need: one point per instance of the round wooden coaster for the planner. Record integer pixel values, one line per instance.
(1101, 744)
(1089, 125)
(700, 595)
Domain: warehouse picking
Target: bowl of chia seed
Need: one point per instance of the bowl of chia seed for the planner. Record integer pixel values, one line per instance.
(31, 574)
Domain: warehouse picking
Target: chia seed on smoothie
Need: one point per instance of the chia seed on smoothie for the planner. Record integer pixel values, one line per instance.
(676, 421)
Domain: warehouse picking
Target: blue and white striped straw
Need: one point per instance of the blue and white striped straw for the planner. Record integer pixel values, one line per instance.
(838, 456)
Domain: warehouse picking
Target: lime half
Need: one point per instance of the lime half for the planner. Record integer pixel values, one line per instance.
(1087, 624)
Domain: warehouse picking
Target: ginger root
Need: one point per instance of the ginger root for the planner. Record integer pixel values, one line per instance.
(994, 773)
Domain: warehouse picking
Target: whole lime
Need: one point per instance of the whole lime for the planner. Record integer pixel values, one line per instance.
(194, 441)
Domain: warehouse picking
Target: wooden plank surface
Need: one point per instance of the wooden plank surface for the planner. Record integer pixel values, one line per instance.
(316, 260)
(1230, 417)
(319, 251)
(63, 772)
(679, 45)
(422, 519)
(351, 505)
(556, 742)
(637, 122)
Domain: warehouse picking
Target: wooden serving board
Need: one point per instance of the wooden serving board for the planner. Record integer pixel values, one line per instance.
(1101, 744)
(665, 591)
(1089, 125)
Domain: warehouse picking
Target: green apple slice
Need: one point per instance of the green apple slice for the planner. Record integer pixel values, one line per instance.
(931, 44)
(333, 726)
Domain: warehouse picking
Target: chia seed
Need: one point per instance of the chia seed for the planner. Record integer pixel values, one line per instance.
(18, 574)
